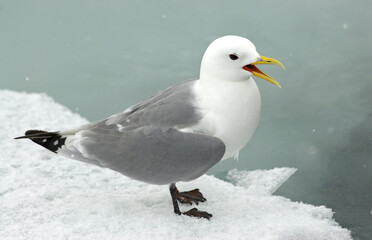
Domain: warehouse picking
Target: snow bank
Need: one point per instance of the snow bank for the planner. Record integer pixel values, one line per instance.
(45, 196)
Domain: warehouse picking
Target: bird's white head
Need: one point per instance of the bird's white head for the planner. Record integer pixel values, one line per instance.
(233, 58)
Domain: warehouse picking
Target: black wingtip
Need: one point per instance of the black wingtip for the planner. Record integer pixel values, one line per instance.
(50, 140)
(36, 134)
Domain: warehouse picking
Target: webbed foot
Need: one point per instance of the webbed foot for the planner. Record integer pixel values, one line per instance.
(188, 197)
(193, 196)
(194, 212)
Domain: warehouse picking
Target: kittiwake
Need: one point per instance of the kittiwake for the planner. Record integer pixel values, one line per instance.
(180, 132)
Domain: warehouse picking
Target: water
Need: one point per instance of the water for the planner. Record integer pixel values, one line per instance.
(98, 58)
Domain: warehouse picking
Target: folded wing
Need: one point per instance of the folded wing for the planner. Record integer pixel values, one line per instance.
(143, 142)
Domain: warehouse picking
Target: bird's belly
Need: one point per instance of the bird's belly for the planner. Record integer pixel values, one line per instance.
(232, 116)
(236, 131)
(237, 127)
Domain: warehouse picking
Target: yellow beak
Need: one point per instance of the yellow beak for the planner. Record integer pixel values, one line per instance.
(258, 73)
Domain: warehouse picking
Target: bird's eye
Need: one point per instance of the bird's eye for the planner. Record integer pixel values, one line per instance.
(233, 57)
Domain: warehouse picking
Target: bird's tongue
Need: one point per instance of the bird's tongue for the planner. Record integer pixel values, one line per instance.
(253, 69)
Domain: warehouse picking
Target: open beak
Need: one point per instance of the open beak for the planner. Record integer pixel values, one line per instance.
(258, 73)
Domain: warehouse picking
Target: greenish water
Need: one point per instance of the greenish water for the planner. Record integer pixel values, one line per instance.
(98, 58)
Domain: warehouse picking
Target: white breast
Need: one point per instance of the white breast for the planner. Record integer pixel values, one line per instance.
(231, 112)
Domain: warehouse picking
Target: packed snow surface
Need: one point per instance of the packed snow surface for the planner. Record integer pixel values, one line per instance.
(46, 196)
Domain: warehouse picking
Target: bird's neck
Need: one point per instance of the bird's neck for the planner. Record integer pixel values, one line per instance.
(221, 88)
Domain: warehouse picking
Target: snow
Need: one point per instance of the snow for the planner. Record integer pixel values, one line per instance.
(45, 196)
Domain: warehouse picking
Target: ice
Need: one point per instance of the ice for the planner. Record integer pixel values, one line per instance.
(46, 196)
(263, 182)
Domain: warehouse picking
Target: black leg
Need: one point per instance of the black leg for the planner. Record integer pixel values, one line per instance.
(173, 191)
(192, 212)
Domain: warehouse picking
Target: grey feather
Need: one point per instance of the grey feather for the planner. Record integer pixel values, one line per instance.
(158, 155)
(170, 107)
(143, 142)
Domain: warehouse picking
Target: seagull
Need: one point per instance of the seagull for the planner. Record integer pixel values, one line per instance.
(180, 132)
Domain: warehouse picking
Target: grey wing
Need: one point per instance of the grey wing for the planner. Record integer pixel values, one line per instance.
(143, 142)
(157, 155)
(173, 106)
